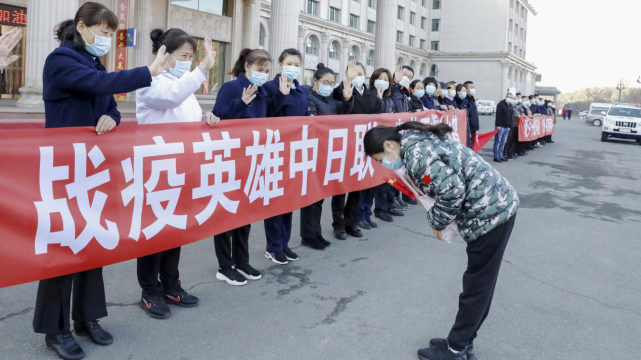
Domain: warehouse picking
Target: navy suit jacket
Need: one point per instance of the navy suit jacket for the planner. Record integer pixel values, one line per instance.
(77, 90)
(296, 103)
(229, 103)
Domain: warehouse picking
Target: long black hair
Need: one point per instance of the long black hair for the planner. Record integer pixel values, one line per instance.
(173, 39)
(91, 14)
(374, 138)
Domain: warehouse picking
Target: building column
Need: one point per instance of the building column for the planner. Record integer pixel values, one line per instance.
(301, 47)
(249, 25)
(323, 56)
(385, 40)
(345, 59)
(43, 18)
(283, 28)
(506, 78)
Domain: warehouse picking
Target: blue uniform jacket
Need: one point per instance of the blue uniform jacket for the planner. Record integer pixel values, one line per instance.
(77, 90)
(427, 101)
(229, 103)
(543, 110)
(295, 104)
(474, 113)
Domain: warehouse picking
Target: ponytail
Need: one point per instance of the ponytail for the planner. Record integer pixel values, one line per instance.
(440, 130)
(374, 138)
(90, 13)
(256, 56)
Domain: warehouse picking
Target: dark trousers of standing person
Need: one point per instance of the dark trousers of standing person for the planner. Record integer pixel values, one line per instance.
(232, 247)
(310, 221)
(564, 116)
(345, 213)
(384, 199)
(278, 231)
(366, 203)
(53, 303)
(165, 264)
(509, 144)
(484, 257)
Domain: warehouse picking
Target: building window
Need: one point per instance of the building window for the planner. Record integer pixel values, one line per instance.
(311, 47)
(434, 46)
(515, 49)
(371, 4)
(371, 26)
(423, 22)
(354, 53)
(216, 75)
(412, 18)
(436, 24)
(412, 40)
(312, 7)
(423, 43)
(211, 6)
(434, 71)
(423, 69)
(509, 46)
(334, 14)
(399, 37)
(511, 26)
(436, 4)
(334, 50)
(413, 65)
(261, 36)
(354, 21)
(308, 78)
(401, 13)
(400, 62)
(424, 3)
(370, 58)
(511, 4)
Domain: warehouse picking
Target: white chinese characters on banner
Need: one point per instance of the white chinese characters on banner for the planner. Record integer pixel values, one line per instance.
(335, 155)
(306, 164)
(79, 189)
(218, 168)
(264, 178)
(137, 190)
(362, 164)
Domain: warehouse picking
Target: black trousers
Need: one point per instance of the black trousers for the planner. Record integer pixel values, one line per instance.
(384, 198)
(54, 298)
(232, 247)
(512, 139)
(310, 221)
(165, 264)
(366, 203)
(278, 231)
(345, 213)
(484, 257)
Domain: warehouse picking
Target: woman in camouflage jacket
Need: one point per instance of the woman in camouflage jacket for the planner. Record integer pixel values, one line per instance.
(466, 189)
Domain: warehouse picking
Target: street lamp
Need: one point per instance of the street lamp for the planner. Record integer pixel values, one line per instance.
(621, 87)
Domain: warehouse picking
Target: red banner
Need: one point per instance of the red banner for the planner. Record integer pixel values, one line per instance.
(482, 139)
(72, 200)
(120, 62)
(535, 127)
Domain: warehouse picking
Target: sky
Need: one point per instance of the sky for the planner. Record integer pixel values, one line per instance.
(584, 43)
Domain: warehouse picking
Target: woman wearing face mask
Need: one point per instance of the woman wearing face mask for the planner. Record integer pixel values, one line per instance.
(78, 91)
(417, 90)
(278, 229)
(244, 98)
(380, 82)
(444, 98)
(321, 102)
(437, 97)
(170, 99)
(430, 89)
(366, 101)
(468, 190)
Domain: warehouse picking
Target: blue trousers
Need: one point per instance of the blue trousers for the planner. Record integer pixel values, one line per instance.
(384, 198)
(278, 231)
(366, 203)
(499, 142)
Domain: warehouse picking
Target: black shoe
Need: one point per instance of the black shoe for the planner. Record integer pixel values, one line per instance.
(291, 256)
(385, 217)
(355, 232)
(324, 241)
(64, 345)
(231, 276)
(505, 159)
(340, 234)
(315, 244)
(364, 225)
(155, 306)
(498, 160)
(95, 332)
(550, 142)
(180, 297)
(521, 154)
(440, 353)
(371, 223)
(409, 200)
(402, 203)
(277, 258)
(513, 157)
(440, 342)
(395, 212)
(248, 272)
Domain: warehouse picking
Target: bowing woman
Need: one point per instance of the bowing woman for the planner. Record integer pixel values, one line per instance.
(171, 99)
(468, 190)
(245, 98)
(78, 91)
(278, 229)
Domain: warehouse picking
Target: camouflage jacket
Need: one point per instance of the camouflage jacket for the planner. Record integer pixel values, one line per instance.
(465, 187)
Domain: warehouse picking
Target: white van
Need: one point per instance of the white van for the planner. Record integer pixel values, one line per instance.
(622, 121)
(486, 107)
(596, 113)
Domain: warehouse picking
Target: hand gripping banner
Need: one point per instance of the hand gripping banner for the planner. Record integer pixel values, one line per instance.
(73, 200)
(535, 127)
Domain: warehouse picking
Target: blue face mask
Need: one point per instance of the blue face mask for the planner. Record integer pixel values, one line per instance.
(463, 95)
(180, 68)
(392, 165)
(292, 72)
(419, 93)
(384, 85)
(100, 47)
(325, 90)
(430, 89)
(258, 78)
(358, 81)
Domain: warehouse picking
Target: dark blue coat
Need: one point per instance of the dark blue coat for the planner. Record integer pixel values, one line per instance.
(77, 90)
(474, 113)
(296, 103)
(542, 110)
(428, 102)
(229, 103)
(399, 97)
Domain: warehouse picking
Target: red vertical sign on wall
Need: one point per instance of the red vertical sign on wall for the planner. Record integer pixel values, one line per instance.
(120, 61)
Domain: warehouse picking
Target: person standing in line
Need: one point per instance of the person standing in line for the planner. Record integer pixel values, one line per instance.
(430, 88)
(278, 229)
(171, 99)
(444, 97)
(510, 146)
(244, 98)
(417, 90)
(468, 190)
(504, 115)
(321, 102)
(521, 147)
(78, 91)
(551, 111)
(474, 112)
(366, 101)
